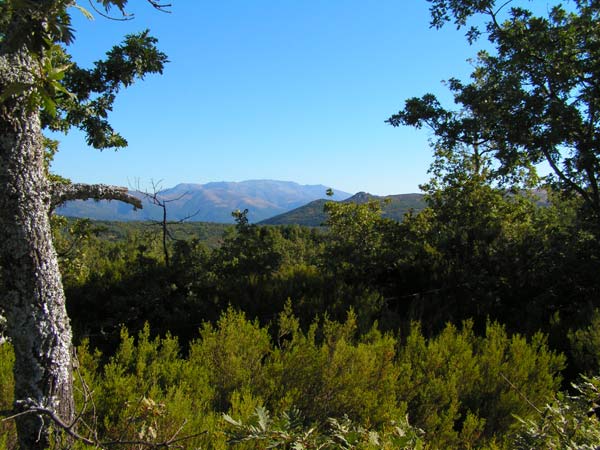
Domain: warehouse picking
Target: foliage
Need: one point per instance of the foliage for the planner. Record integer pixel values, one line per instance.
(7, 429)
(487, 250)
(532, 99)
(146, 391)
(66, 94)
(356, 242)
(351, 390)
(331, 371)
(287, 431)
(233, 352)
(458, 387)
(570, 422)
(585, 346)
(475, 252)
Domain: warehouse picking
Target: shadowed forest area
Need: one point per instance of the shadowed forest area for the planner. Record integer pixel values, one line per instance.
(473, 323)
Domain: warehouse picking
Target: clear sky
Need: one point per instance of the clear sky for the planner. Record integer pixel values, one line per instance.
(292, 90)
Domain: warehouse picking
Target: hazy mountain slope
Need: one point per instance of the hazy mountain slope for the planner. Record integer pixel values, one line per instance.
(211, 202)
(311, 214)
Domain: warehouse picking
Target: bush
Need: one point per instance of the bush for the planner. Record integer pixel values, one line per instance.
(585, 346)
(287, 431)
(463, 390)
(342, 374)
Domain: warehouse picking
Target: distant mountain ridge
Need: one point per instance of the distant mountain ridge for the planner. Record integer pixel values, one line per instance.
(312, 214)
(392, 207)
(210, 202)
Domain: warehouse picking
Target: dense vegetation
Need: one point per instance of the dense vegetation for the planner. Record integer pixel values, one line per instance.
(461, 317)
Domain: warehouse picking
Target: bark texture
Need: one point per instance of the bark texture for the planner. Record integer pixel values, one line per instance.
(63, 192)
(33, 300)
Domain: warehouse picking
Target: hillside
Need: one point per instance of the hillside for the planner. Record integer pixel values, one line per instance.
(210, 234)
(311, 214)
(211, 202)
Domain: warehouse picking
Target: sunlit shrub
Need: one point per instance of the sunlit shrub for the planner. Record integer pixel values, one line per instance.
(463, 390)
(232, 353)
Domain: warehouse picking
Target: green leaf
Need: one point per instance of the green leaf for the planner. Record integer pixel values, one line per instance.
(60, 88)
(263, 417)
(49, 104)
(231, 420)
(58, 73)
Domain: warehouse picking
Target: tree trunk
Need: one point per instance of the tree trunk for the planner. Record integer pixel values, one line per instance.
(33, 300)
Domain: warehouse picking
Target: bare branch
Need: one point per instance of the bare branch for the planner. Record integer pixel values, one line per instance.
(155, 198)
(69, 429)
(160, 6)
(186, 218)
(494, 14)
(77, 191)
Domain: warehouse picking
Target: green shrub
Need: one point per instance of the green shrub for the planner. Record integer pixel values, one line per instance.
(340, 375)
(233, 354)
(585, 346)
(146, 391)
(463, 390)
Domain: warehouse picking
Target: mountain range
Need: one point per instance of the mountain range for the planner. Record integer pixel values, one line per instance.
(210, 202)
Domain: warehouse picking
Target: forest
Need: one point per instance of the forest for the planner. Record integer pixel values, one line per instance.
(473, 323)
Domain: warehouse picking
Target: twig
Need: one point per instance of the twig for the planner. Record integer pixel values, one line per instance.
(103, 444)
(536, 409)
(523, 396)
(132, 417)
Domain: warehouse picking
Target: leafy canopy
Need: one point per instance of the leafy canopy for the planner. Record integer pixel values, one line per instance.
(533, 99)
(66, 94)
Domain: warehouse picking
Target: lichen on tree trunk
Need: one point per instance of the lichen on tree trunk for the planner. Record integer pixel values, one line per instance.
(33, 299)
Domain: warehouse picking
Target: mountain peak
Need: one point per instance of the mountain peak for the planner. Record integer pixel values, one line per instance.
(361, 197)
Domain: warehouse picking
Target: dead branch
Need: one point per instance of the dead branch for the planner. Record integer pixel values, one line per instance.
(155, 198)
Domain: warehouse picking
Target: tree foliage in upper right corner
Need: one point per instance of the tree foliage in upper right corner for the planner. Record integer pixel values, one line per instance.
(534, 98)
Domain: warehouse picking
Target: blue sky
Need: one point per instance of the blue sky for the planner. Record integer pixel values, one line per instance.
(272, 89)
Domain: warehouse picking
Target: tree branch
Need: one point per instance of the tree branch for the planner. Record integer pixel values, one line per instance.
(162, 7)
(69, 429)
(60, 193)
(565, 178)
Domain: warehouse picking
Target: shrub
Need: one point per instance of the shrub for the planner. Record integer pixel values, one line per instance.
(463, 390)
(342, 374)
